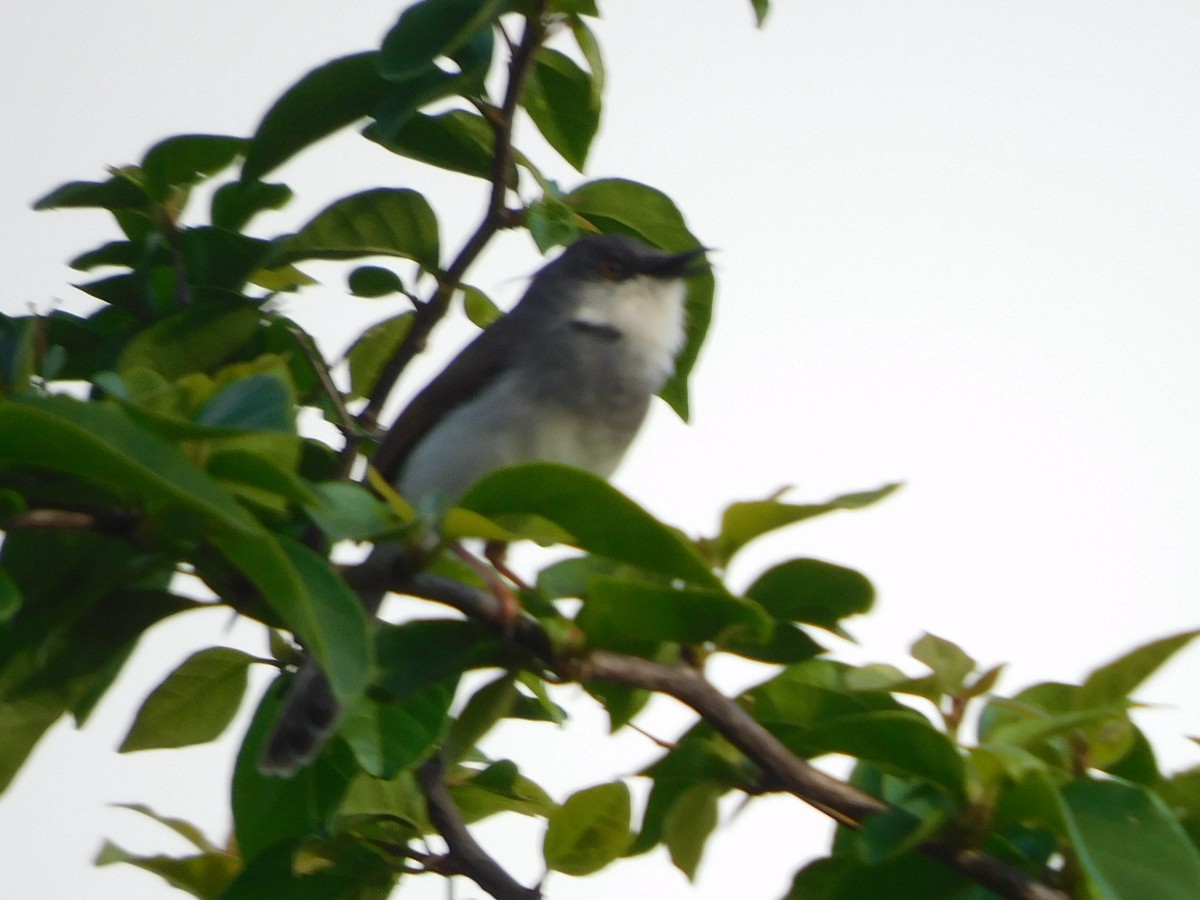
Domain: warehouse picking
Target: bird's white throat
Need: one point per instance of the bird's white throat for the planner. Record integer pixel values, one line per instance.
(648, 312)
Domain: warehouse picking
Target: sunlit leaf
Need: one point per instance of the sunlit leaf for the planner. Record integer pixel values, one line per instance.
(560, 99)
(589, 831)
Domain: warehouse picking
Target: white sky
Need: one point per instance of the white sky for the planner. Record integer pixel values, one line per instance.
(957, 247)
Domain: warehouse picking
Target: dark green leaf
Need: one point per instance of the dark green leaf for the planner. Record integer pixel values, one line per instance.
(117, 193)
(627, 207)
(371, 352)
(589, 831)
(194, 704)
(743, 522)
(345, 511)
(909, 877)
(498, 788)
(266, 810)
(10, 597)
(425, 652)
(688, 824)
(388, 737)
(234, 204)
(260, 477)
(187, 159)
(600, 518)
(1128, 844)
(379, 222)
(220, 259)
(560, 98)
(326, 99)
(761, 7)
(787, 644)
(487, 706)
(431, 29)
(812, 591)
(458, 141)
(374, 281)
(630, 615)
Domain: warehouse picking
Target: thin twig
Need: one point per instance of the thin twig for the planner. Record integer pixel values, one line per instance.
(467, 856)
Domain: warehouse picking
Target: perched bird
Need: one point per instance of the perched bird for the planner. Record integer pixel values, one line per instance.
(566, 377)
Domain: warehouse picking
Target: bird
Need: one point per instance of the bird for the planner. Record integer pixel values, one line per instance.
(566, 376)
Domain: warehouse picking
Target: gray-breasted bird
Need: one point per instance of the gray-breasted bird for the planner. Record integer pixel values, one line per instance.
(566, 376)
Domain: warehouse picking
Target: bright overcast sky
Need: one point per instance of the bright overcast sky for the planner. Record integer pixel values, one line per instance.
(957, 247)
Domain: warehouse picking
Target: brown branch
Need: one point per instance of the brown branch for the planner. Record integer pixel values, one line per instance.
(466, 856)
(108, 521)
(496, 217)
(784, 770)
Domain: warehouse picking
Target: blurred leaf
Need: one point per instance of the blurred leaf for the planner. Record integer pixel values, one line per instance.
(259, 477)
(627, 207)
(196, 339)
(688, 824)
(374, 281)
(600, 518)
(370, 353)
(498, 788)
(908, 877)
(378, 222)
(786, 644)
(431, 29)
(812, 591)
(743, 522)
(10, 597)
(205, 875)
(457, 141)
(590, 48)
(263, 402)
(187, 159)
(219, 262)
(589, 831)
(487, 706)
(420, 653)
(99, 442)
(194, 704)
(18, 353)
(1128, 844)
(551, 223)
(761, 7)
(629, 615)
(235, 203)
(346, 511)
(1115, 681)
(326, 99)
(117, 193)
(314, 601)
(949, 662)
(479, 306)
(269, 810)
(560, 99)
(387, 737)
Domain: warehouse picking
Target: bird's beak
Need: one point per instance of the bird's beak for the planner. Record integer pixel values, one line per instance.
(679, 265)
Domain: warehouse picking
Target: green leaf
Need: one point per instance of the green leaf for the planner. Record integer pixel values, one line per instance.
(1115, 681)
(498, 788)
(10, 598)
(346, 511)
(908, 877)
(204, 875)
(600, 519)
(431, 29)
(560, 98)
(420, 653)
(1128, 844)
(194, 704)
(268, 811)
(117, 193)
(629, 615)
(589, 831)
(235, 203)
(487, 706)
(743, 522)
(950, 663)
(326, 99)
(187, 159)
(761, 7)
(313, 600)
(181, 827)
(197, 339)
(374, 281)
(627, 207)
(263, 402)
(688, 824)
(99, 442)
(378, 222)
(387, 737)
(371, 352)
(260, 478)
(479, 306)
(457, 141)
(812, 591)
(786, 644)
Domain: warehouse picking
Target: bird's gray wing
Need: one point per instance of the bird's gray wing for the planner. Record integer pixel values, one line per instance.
(479, 363)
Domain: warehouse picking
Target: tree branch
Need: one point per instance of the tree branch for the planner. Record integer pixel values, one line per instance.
(106, 521)
(467, 856)
(496, 217)
(847, 804)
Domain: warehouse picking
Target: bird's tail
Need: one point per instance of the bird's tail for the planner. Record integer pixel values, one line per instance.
(310, 716)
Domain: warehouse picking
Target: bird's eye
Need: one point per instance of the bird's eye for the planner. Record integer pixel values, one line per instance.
(611, 270)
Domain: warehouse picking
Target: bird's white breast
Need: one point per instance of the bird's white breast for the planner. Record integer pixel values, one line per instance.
(648, 312)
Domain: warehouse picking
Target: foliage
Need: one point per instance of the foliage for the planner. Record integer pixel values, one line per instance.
(158, 435)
